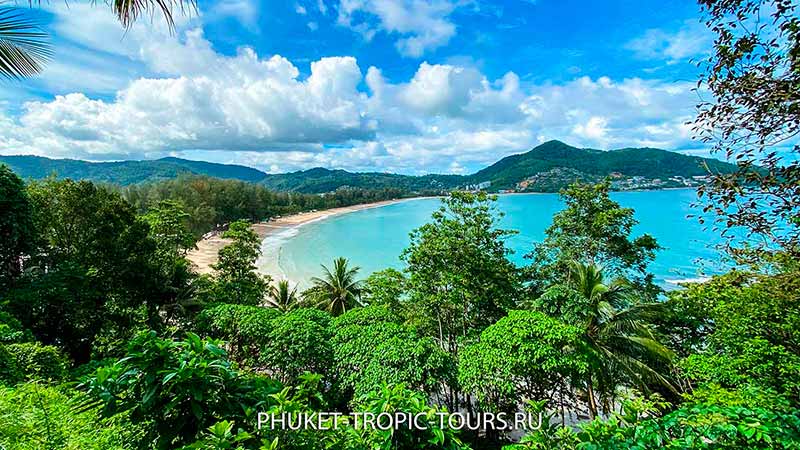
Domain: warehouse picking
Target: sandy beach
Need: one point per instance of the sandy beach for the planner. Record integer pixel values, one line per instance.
(205, 255)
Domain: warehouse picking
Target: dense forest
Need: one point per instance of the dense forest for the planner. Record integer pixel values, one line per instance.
(211, 202)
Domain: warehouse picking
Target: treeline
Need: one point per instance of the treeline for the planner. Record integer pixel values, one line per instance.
(211, 202)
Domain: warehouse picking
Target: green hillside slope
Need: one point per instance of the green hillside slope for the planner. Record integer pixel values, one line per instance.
(125, 172)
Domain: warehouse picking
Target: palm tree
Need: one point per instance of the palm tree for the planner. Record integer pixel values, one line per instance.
(338, 290)
(617, 333)
(24, 48)
(282, 297)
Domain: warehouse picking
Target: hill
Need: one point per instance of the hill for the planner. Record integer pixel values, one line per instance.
(649, 163)
(126, 172)
(546, 168)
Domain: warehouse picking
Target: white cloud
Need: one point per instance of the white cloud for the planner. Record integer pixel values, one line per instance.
(691, 40)
(423, 25)
(260, 110)
(300, 9)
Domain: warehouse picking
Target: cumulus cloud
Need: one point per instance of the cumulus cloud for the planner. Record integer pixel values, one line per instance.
(691, 40)
(259, 110)
(423, 25)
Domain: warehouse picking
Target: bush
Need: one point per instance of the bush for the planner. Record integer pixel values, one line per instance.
(36, 417)
(371, 349)
(177, 389)
(9, 372)
(244, 328)
(299, 342)
(11, 330)
(39, 362)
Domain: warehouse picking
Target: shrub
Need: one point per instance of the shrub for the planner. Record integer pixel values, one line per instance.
(177, 388)
(35, 417)
(11, 330)
(298, 342)
(39, 362)
(244, 328)
(9, 372)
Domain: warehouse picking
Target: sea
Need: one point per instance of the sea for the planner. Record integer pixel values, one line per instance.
(374, 238)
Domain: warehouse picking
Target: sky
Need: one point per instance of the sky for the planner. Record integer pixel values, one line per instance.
(405, 86)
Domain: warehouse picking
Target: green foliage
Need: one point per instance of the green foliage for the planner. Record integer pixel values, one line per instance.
(298, 342)
(39, 417)
(9, 372)
(92, 272)
(616, 328)
(371, 348)
(16, 226)
(35, 361)
(283, 297)
(524, 356)
(385, 287)
(750, 331)
(393, 399)
(11, 329)
(750, 117)
(236, 275)
(460, 279)
(178, 388)
(338, 290)
(244, 328)
(593, 229)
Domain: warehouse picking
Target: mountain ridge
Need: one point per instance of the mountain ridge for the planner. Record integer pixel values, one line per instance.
(545, 168)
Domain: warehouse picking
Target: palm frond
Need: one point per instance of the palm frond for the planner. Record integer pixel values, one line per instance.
(129, 11)
(24, 47)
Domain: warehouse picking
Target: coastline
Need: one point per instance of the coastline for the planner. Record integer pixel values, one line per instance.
(205, 254)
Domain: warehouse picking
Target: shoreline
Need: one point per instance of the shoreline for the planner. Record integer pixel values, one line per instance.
(206, 252)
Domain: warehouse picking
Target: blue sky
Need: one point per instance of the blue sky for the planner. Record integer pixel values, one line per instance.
(411, 86)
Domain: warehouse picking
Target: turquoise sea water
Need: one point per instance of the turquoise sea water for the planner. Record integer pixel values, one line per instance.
(374, 238)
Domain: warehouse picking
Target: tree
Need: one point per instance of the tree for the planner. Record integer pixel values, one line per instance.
(594, 230)
(299, 342)
(337, 291)
(525, 356)
(753, 78)
(616, 329)
(386, 287)
(749, 329)
(283, 297)
(459, 277)
(16, 226)
(237, 278)
(92, 272)
(371, 348)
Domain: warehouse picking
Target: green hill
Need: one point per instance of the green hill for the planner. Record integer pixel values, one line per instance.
(125, 172)
(546, 168)
(649, 163)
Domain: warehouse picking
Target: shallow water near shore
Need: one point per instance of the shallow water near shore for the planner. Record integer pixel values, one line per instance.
(373, 239)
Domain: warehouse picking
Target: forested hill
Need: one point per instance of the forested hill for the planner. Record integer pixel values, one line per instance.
(546, 168)
(126, 172)
(649, 163)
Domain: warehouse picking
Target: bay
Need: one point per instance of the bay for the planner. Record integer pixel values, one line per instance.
(373, 239)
